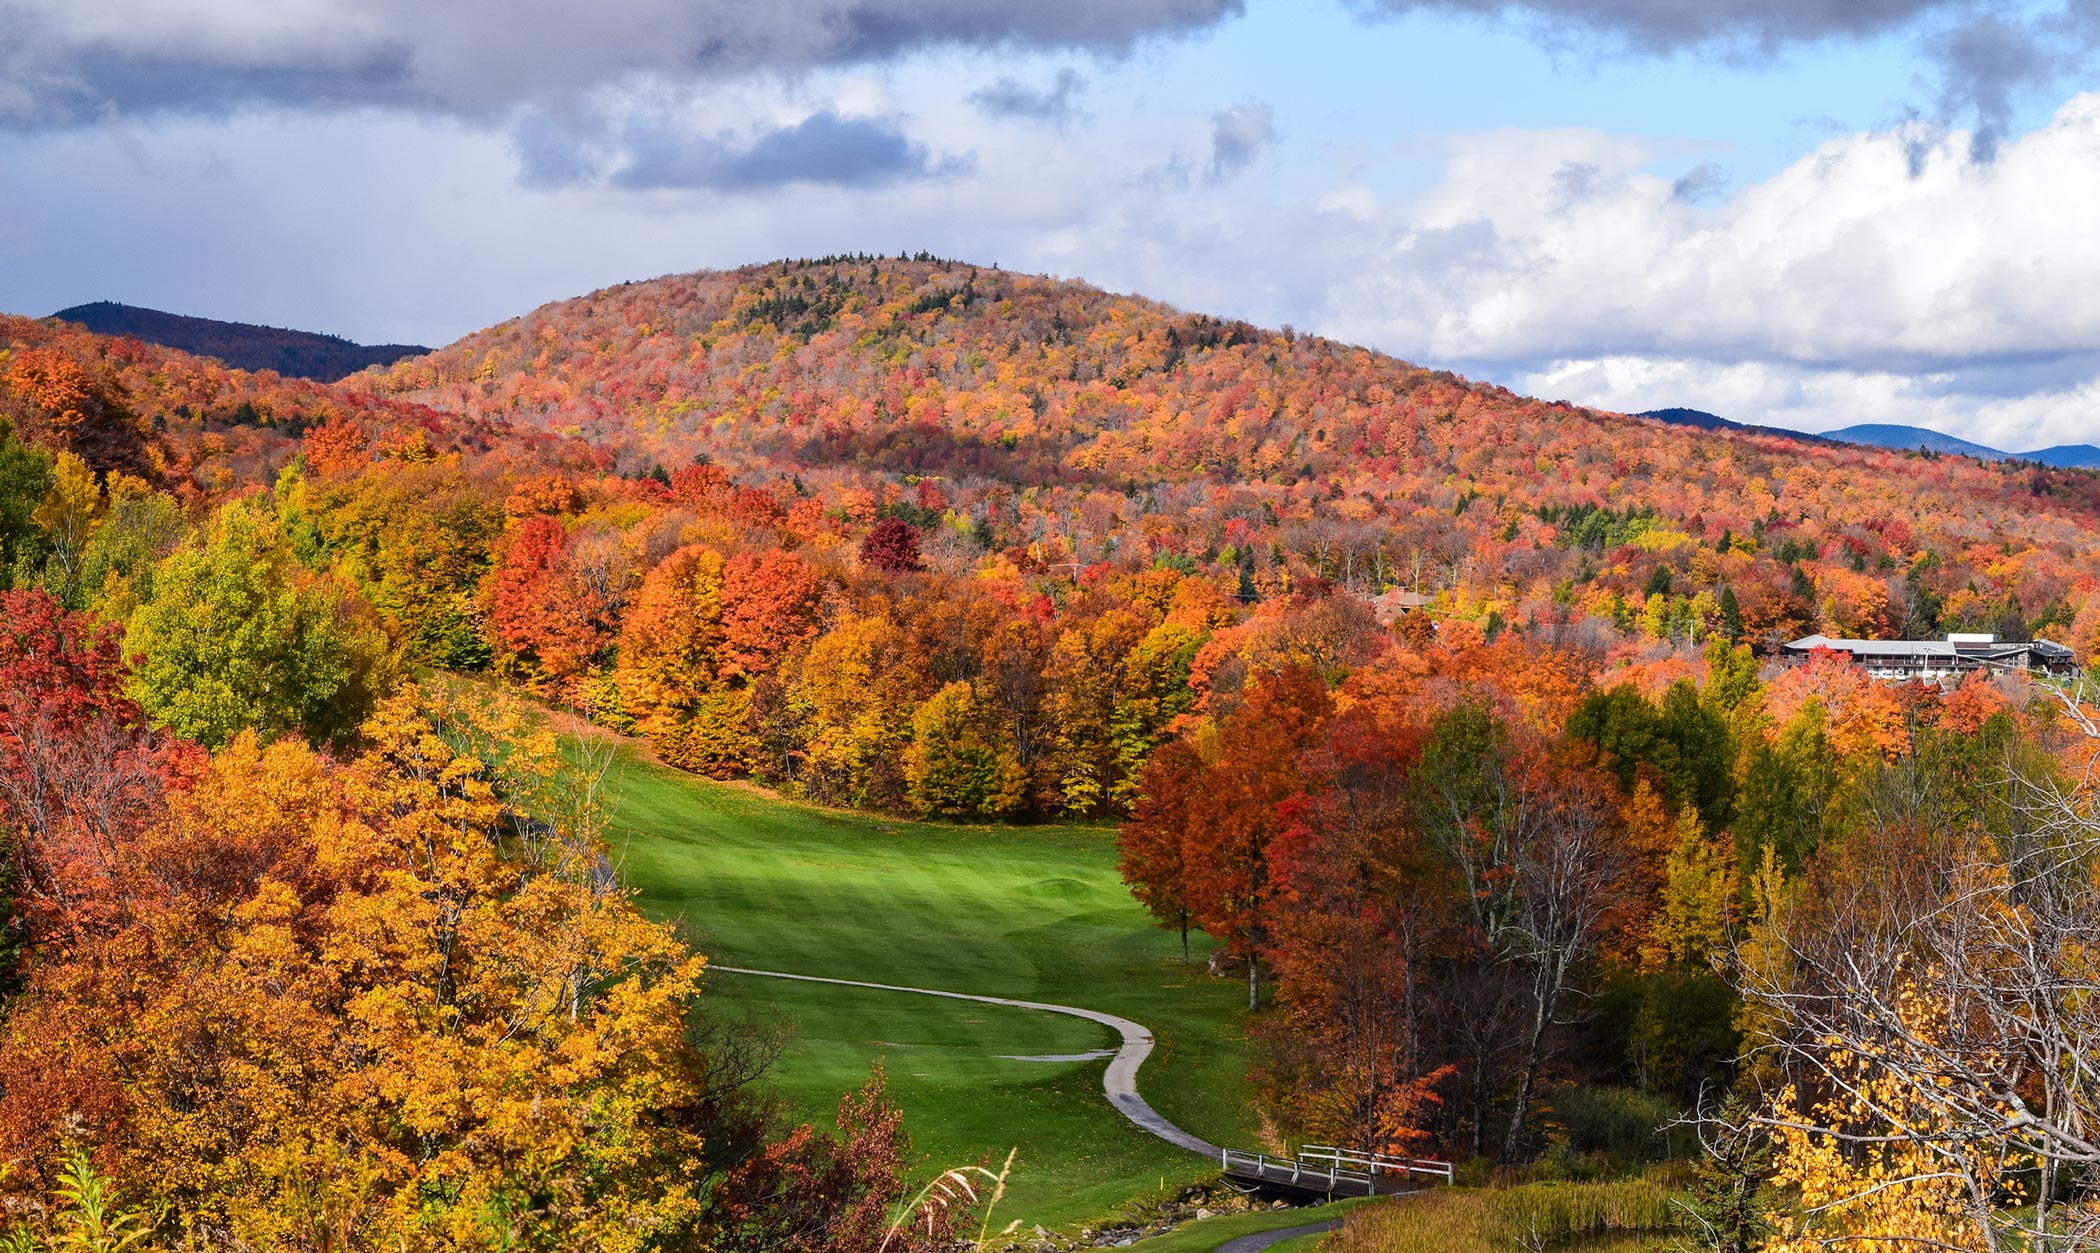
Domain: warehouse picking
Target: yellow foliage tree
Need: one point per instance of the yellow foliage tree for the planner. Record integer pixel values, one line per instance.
(1690, 924)
(399, 1003)
(1876, 1165)
(958, 765)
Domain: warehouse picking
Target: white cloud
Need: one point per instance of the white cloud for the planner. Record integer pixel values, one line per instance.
(1894, 249)
(1802, 399)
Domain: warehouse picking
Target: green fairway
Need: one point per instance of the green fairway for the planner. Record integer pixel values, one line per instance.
(1036, 913)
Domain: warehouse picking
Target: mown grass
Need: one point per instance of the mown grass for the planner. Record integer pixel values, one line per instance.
(1622, 1216)
(1206, 1234)
(1035, 913)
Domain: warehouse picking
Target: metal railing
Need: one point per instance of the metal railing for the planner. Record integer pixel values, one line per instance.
(1298, 1171)
(1324, 1163)
(1374, 1164)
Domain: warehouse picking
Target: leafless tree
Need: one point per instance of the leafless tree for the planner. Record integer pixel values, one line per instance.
(1963, 963)
(1542, 858)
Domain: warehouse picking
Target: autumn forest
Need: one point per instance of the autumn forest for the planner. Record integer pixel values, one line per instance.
(1453, 721)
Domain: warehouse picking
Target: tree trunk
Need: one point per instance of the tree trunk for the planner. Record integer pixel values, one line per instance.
(1184, 938)
(1513, 1140)
(1253, 986)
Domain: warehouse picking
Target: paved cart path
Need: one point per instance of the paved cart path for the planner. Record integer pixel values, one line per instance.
(1255, 1242)
(1119, 1081)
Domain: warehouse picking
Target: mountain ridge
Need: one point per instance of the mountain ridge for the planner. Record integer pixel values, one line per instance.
(1894, 436)
(242, 345)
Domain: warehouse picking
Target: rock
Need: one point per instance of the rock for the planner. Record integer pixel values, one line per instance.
(1202, 1214)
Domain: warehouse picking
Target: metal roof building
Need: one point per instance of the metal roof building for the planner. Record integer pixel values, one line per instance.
(1938, 659)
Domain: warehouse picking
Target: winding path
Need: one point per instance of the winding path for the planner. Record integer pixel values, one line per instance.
(1255, 1242)
(1119, 1081)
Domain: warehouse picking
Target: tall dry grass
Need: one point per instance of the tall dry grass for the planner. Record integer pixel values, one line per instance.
(1590, 1216)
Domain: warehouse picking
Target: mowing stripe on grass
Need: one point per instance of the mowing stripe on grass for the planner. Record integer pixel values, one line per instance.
(1119, 1081)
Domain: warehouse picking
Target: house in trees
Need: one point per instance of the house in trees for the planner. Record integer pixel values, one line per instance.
(1388, 607)
(1940, 659)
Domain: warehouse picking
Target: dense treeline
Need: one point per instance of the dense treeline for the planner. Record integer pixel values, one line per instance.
(1455, 851)
(1511, 912)
(670, 505)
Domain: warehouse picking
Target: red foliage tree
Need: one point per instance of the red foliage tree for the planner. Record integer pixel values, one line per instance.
(536, 608)
(892, 545)
(1151, 844)
(1234, 816)
(79, 773)
(815, 1192)
(769, 607)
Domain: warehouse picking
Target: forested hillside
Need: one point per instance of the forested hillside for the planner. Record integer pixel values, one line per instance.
(909, 536)
(813, 521)
(1062, 423)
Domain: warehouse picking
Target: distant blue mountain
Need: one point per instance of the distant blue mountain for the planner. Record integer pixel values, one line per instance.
(2066, 456)
(1895, 436)
(1891, 435)
(296, 354)
(1714, 422)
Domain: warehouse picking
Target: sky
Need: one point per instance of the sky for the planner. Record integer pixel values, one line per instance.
(1806, 213)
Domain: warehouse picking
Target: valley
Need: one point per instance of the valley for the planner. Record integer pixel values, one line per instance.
(1033, 913)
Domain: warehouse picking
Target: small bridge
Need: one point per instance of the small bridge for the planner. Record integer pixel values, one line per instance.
(1322, 1170)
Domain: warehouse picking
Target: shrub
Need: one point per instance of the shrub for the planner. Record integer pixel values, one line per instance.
(1616, 1215)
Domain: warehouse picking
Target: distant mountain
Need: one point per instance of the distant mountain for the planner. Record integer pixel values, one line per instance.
(1705, 421)
(1918, 438)
(295, 354)
(1893, 436)
(2065, 456)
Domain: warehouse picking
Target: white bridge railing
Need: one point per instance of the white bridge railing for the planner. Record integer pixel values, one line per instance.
(1321, 1163)
(1376, 1164)
(1294, 1170)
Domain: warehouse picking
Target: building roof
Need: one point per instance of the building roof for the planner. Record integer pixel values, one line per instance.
(1973, 648)
(1392, 604)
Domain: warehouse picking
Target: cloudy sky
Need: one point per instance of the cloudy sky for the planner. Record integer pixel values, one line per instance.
(1802, 212)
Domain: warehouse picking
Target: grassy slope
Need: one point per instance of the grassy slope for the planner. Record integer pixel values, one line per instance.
(1030, 912)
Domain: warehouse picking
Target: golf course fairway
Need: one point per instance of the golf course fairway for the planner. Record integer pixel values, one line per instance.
(1034, 913)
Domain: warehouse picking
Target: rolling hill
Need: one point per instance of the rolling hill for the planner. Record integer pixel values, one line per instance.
(1047, 435)
(295, 354)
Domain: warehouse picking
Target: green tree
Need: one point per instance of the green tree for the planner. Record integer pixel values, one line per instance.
(239, 636)
(1731, 616)
(1789, 795)
(958, 765)
(25, 477)
(1681, 742)
(138, 531)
